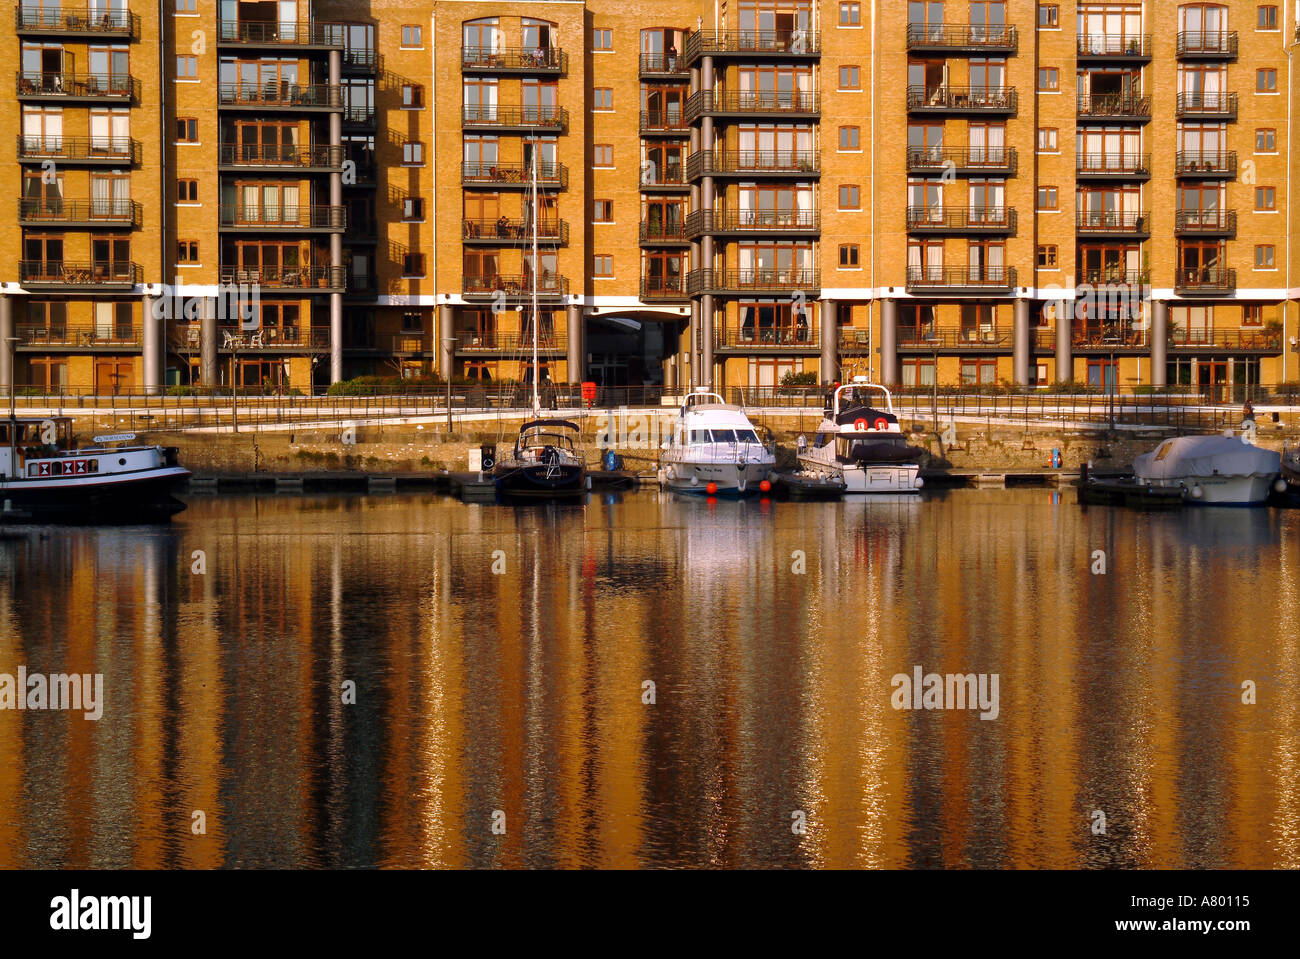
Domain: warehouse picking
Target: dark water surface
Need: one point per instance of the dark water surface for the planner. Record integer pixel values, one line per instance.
(521, 691)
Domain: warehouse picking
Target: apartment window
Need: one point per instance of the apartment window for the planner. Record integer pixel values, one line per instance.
(602, 211)
(602, 265)
(1049, 79)
(1047, 257)
(1265, 141)
(1266, 17)
(187, 251)
(1049, 16)
(1047, 198)
(187, 191)
(1264, 257)
(1047, 141)
(412, 96)
(850, 138)
(602, 154)
(413, 264)
(850, 15)
(187, 130)
(602, 40)
(850, 78)
(187, 68)
(844, 314)
(412, 35)
(1266, 80)
(186, 6)
(412, 323)
(1265, 198)
(848, 256)
(1252, 314)
(850, 197)
(413, 154)
(413, 208)
(602, 98)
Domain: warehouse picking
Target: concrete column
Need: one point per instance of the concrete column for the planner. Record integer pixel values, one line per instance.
(1159, 341)
(1020, 344)
(208, 343)
(6, 347)
(336, 238)
(830, 336)
(705, 377)
(153, 352)
(889, 343)
(446, 328)
(1064, 323)
(695, 337)
(336, 337)
(577, 352)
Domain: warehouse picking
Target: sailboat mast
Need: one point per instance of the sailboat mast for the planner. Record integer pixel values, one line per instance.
(537, 403)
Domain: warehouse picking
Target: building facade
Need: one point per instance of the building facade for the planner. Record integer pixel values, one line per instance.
(287, 194)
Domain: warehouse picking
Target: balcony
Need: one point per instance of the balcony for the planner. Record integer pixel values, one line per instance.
(754, 163)
(537, 61)
(48, 211)
(961, 220)
(280, 35)
(266, 338)
(78, 87)
(749, 222)
(1206, 280)
(661, 66)
(795, 104)
(1118, 338)
(1113, 47)
(79, 336)
(663, 288)
(1114, 280)
(1112, 223)
(1206, 106)
(517, 232)
(663, 234)
(1207, 45)
(970, 161)
(315, 97)
(946, 100)
(358, 116)
(360, 60)
(1114, 106)
(79, 151)
(1210, 166)
(517, 287)
(318, 159)
(664, 123)
(75, 23)
(1232, 341)
(309, 279)
(787, 338)
(770, 44)
(493, 341)
(306, 219)
(671, 178)
(513, 176)
(855, 341)
(1217, 223)
(947, 38)
(63, 275)
(967, 339)
(523, 119)
(753, 281)
(962, 279)
(1112, 166)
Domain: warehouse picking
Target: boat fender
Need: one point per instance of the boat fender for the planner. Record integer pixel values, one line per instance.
(881, 424)
(1279, 485)
(860, 425)
(711, 488)
(764, 486)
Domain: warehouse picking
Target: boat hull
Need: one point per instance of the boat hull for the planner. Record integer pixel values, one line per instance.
(870, 477)
(541, 481)
(144, 496)
(730, 479)
(1248, 490)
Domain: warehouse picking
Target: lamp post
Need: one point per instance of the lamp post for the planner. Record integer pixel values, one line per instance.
(449, 343)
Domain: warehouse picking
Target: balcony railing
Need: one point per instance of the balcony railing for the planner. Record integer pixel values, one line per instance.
(663, 232)
(106, 212)
(78, 86)
(798, 336)
(301, 33)
(1110, 337)
(108, 151)
(1208, 279)
(358, 115)
(962, 37)
(753, 221)
(66, 273)
(1211, 164)
(522, 117)
(961, 277)
(535, 60)
(666, 176)
(771, 43)
(996, 160)
(958, 219)
(1201, 43)
(364, 59)
(1246, 340)
(87, 335)
(494, 341)
(665, 121)
(1218, 106)
(329, 278)
(1119, 165)
(946, 99)
(663, 288)
(285, 96)
(1113, 46)
(753, 163)
(71, 20)
(550, 176)
(330, 218)
(655, 65)
(1112, 222)
(1114, 106)
(1206, 222)
(290, 157)
(1115, 279)
(512, 232)
(792, 103)
(752, 281)
(515, 286)
(986, 337)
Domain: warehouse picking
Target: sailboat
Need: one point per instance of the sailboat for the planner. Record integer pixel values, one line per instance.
(547, 458)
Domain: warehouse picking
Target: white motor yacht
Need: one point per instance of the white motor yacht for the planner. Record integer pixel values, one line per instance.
(860, 440)
(714, 449)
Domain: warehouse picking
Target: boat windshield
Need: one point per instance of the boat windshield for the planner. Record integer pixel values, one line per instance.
(746, 436)
(539, 438)
(724, 436)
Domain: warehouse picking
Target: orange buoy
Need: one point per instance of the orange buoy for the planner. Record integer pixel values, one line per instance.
(765, 486)
(711, 488)
(881, 424)
(860, 425)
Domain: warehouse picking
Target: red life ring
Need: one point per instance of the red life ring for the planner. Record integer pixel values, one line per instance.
(860, 425)
(880, 424)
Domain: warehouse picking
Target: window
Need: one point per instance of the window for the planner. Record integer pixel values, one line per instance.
(602, 40)
(413, 264)
(602, 211)
(187, 130)
(187, 191)
(850, 78)
(413, 208)
(1266, 17)
(1049, 79)
(187, 68)
(186, 6)
(1264, 257)
(1047, 257)
(602, 264)
(850, 138)
(413, 154)
(1049, 16)
(850, 15)
(844, 314)
(1266, 80)
(602, 98)
(850, 197)
(412, 35)
(412, 322)
(1252, 314)
(848, 256)
(187, 251)
(1047, 198)
(1265, 198)
(412, 96)
(1265, 141)
(1047, 141)
(602, 155)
